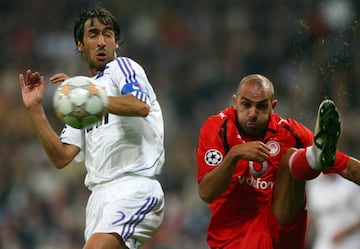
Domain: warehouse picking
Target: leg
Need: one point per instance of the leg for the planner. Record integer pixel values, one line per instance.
(297, 166)
(289, 193)
(105, 241)
(321, 155)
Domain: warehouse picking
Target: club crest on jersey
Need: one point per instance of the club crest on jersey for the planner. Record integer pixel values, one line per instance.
(274, 147)
(136, 86)
(213, 157)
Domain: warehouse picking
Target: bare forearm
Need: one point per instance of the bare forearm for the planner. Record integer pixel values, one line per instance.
(352, 170)
(127, 105)
(214, 184)
(55, 149)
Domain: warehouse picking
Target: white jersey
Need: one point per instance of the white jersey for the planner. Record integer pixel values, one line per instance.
(333, 202)
(121, 145)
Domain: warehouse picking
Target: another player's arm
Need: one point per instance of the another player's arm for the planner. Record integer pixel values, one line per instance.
(215, 183)
(352, 170)
(347, 231)
(32, 89)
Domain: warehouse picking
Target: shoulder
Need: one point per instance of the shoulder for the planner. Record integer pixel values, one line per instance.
(302, 135)
(278, 122)
(224, 120)
(124, 64)
(220, 117)
(124, 68)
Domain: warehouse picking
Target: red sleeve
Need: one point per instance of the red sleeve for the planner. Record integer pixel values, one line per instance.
(217, 136)
(340, 163)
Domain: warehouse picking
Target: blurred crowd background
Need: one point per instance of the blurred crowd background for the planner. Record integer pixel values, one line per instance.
(195, 53)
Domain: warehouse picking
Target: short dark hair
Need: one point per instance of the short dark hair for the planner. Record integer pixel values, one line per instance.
(99, 12)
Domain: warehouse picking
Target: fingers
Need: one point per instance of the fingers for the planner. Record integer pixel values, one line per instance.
(30, 78)
(21, 80)
(58, 77)
(264, 152)
(34, 78)
(257, 151)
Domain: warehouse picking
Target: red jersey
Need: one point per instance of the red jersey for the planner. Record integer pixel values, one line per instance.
(242, 216)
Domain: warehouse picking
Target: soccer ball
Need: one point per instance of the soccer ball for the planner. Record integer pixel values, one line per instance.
(79, 102)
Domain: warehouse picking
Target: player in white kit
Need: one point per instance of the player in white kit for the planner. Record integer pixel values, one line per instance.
(124, 153)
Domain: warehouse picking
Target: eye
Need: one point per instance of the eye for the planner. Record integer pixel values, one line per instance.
(262, 106)
(92, 34)
(246, 104)
(109, 33)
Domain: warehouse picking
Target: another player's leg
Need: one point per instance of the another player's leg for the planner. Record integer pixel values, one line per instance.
(306, 164)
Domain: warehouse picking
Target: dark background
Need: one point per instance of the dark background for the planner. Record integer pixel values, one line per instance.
(195, 53)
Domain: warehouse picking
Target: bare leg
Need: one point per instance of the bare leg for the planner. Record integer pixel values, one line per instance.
(289, 193)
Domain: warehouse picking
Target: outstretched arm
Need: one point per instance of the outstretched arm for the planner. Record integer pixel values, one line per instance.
(32, 90)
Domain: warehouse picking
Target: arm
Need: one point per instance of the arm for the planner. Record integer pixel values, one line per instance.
(352, 170)
(215, 183)
(349, 230)
(32, 89)
(127, 105)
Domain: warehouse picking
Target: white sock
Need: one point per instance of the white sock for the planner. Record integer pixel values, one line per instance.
(313, 156)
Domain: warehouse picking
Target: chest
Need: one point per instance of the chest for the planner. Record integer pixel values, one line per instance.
(278, 143)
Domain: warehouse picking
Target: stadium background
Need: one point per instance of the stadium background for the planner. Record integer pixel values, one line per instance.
(194, 52)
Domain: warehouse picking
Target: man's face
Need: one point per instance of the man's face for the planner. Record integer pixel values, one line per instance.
(253, 106)
(99, 45)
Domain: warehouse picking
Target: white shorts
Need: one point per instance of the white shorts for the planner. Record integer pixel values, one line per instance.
(133, 207)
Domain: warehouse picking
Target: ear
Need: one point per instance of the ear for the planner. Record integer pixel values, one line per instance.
(274, 103)
(234, 99)
(80, 46)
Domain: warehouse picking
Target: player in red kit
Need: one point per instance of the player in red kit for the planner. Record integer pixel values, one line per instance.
(256, 197)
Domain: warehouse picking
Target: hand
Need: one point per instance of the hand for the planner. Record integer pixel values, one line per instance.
(251, 151)
(59, 77)
(32, 88)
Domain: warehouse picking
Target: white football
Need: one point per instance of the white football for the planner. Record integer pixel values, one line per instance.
(80, 102)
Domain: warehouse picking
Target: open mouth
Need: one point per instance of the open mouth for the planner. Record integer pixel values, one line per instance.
(101, 55)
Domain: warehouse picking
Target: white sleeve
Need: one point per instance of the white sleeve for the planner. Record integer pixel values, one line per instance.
(127, 76)
(70, 135)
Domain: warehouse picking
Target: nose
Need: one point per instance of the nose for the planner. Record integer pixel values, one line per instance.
(252, 112)
(101, 41)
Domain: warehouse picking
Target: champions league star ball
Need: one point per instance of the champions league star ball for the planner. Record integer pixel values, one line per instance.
(79, 102)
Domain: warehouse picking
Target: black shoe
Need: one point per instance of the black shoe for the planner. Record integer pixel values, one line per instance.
(326, 136)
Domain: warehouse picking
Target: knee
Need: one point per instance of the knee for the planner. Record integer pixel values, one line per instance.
(286, 157)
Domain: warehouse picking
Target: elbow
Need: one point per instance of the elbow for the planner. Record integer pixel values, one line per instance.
(144, 110)
(59, 165)
(61, 162)
(205, 197)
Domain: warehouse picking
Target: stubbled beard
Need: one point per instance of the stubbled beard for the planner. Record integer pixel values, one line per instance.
(254, 132)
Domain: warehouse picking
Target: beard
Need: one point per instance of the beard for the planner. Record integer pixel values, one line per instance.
(254, 132)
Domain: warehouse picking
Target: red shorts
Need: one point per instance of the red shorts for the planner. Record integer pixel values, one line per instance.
(257, 228)
(292, 235)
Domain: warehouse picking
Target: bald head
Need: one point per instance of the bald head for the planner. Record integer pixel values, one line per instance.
(257, 82)
(254, 102)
